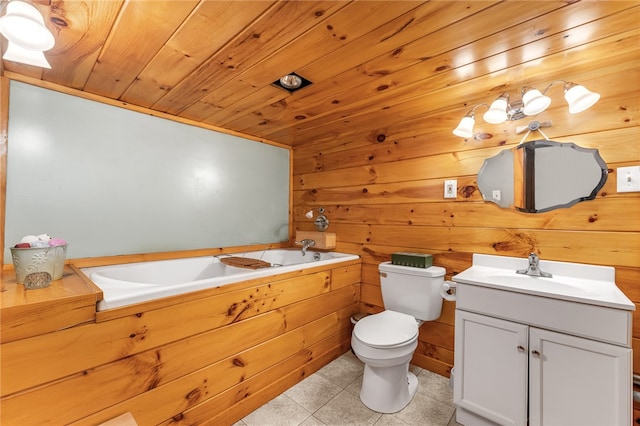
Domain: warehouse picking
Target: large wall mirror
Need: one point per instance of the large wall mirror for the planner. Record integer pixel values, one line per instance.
(113, 181)
(542, 175)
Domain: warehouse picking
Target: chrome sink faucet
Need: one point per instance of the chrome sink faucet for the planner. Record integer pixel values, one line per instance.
(534, 268)
(306, 243)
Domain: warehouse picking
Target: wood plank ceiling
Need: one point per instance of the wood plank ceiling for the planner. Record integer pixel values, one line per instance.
(371, 62)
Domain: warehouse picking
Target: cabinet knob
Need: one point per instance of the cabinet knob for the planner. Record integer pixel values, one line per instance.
(521, 348)
(535, 353)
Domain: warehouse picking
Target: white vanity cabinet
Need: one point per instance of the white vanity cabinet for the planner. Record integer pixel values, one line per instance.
(524, 355)
(507, 372)
(490, 369)
(578, 381)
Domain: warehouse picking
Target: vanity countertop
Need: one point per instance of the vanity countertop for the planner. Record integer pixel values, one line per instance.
(24, 313)
(590, 284)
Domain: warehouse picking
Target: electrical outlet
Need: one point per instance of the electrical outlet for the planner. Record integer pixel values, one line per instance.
(496, 195)
(450, 188)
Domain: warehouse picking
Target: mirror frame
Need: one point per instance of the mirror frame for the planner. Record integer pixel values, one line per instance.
(523, 175)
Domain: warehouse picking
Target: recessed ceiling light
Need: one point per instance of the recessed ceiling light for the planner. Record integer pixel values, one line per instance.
(291, 82)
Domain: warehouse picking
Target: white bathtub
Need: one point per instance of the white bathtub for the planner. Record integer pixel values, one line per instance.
(139, 282)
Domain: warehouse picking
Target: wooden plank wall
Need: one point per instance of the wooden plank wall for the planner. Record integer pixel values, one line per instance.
(184, 360)
(383, 187)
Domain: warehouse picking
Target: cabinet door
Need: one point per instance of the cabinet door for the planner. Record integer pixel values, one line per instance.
(491, 368)
(576, 381)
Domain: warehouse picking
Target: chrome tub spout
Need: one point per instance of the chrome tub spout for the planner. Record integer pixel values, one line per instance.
(306, 243)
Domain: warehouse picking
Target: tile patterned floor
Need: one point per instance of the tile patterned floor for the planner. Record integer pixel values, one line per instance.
(331, 397)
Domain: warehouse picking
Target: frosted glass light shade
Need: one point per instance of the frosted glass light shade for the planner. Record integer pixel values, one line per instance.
(24, 26)
(580, 99)
(535, 102)
(25, 56)
(497, 112)
(465, 128)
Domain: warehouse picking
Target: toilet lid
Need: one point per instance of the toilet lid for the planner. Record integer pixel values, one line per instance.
(388, 328)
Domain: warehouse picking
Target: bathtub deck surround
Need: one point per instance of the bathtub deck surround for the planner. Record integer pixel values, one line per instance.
(67, 302)
(124, 285)
(214, 354)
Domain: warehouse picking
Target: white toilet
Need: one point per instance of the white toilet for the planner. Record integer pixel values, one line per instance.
(385, 342)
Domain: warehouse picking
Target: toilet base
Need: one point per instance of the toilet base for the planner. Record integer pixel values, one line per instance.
(388, 389)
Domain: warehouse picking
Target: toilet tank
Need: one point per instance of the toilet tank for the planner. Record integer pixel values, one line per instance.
(412, 291)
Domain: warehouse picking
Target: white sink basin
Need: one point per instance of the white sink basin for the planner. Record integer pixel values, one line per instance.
(591, 284)
(556, 284)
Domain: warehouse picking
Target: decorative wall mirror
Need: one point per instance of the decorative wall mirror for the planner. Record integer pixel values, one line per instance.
(542, 175)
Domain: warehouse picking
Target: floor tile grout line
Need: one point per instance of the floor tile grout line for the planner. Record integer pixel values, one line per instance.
(328, 374)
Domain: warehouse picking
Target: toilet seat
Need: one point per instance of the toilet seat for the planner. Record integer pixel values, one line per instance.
(386, 329)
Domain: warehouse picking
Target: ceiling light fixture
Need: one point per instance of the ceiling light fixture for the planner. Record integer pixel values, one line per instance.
(28, 37)
(533, 102)
(291, 82)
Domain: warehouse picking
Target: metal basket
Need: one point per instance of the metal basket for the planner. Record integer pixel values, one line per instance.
(35, 260)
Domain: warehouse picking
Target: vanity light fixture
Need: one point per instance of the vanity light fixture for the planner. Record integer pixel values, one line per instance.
(465, 127)
(533, 102)
(28, 37)
(321, 222)
(291, 82)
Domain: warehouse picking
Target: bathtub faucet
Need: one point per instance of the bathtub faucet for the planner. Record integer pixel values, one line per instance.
(306, 244)
(534, 268)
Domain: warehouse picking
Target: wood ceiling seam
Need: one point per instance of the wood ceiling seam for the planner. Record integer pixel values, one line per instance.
(555, 68)
(109, 77)
(352, 103)
(419, 86)
(199, 109)
(611, 114)
(82, 36)
(347, 60)
(193, 92)
(433, 111)
(165, 86)
(229, 101)
(421, 128)
(383, 80)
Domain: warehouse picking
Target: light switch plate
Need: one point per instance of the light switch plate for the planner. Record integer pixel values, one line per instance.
(450, 188)
(628, 179)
